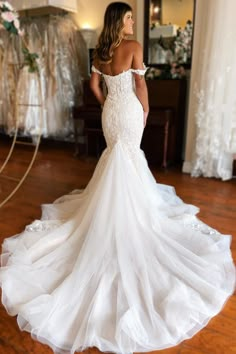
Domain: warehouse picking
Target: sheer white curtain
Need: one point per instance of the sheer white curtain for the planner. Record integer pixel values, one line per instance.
(213, 88)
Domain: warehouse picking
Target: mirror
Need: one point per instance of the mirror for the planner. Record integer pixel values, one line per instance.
(168, 30)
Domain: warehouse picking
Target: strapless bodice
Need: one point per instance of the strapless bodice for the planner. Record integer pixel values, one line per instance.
(121, 84)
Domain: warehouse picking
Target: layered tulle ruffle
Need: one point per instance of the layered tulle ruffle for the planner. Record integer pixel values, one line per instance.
(117, 266)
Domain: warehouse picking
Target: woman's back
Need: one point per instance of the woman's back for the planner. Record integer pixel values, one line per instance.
(122, 60)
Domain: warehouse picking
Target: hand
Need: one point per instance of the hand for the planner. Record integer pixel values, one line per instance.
(145, 115)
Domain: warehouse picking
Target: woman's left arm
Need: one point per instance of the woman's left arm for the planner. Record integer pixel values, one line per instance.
(140, 83)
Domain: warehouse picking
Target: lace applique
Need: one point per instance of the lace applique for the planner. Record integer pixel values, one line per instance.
(201, 227)
(43, 225)
(122, 117)
(216, 129)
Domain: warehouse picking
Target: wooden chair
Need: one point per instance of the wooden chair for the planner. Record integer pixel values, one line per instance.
(89, 117)
(156, 134)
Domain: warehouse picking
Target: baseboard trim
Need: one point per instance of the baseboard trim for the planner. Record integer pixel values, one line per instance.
(187, 167)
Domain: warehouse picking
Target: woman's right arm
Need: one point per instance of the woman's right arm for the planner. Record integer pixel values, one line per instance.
(96, 88)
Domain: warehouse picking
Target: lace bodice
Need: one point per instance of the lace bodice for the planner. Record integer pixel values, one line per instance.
(121, 84)
(122, 116)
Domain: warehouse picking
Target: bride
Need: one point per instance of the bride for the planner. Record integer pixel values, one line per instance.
(124, 265)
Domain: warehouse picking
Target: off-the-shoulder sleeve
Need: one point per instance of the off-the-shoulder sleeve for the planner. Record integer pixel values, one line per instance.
(94, 70)
(140, 71)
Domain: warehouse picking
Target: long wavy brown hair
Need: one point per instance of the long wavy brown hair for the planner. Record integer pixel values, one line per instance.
(111, 34)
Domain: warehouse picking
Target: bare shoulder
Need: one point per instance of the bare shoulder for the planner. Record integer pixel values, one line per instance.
(133, 45)
(137, 54)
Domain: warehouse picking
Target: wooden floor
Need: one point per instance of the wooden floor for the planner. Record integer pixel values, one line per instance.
(57, 172)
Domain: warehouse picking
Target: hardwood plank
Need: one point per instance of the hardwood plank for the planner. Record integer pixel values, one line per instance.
(189, 350)
(230, 308)
(223, 325)
(213, 342)
(173, 350)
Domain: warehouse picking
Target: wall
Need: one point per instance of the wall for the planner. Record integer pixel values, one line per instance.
(177, 11)
(139, 20)
(191, 121)
(90, 13)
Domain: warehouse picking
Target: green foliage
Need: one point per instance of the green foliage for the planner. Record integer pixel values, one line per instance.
(11, 23)
(9, 26)
(30, 60)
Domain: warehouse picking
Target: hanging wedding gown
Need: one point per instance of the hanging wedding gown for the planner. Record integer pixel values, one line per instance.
(63, 65)
(124, 265)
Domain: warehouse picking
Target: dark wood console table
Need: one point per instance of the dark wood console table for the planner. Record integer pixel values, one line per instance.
(167, 100)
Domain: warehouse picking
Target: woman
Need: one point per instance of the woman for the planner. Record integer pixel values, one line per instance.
(115, 54)
(125, 265)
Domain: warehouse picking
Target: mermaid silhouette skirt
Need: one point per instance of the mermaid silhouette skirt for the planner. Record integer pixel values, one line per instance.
(124, 265)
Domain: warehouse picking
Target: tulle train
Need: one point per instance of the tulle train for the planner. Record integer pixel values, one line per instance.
(117, 266)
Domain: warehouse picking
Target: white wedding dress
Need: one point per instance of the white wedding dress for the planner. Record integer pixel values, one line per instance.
(124, 265)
